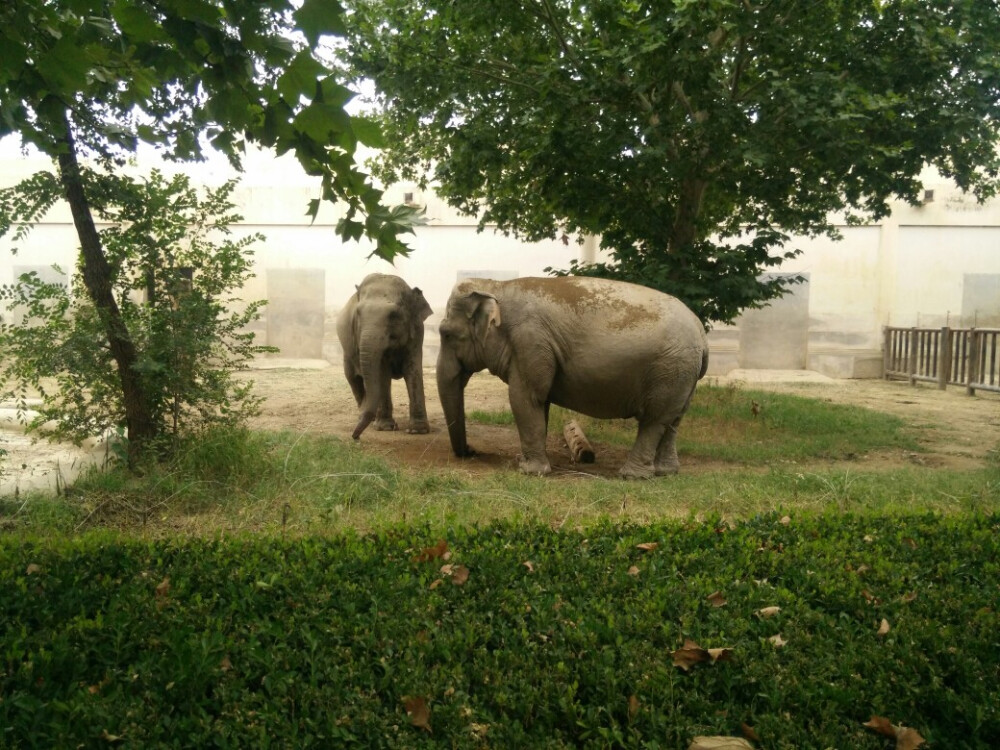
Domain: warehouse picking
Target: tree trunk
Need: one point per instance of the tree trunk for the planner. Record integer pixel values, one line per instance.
(685, 229)
(97, 279)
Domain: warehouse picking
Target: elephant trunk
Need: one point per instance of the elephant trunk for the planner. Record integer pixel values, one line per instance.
(451, 383)
(372, 372)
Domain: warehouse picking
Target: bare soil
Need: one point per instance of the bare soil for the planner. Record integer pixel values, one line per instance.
(956, 431)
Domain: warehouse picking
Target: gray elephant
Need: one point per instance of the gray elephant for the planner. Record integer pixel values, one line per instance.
(381, 330)
(603, 348)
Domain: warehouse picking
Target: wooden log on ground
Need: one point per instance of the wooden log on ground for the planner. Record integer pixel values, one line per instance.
(579, 446)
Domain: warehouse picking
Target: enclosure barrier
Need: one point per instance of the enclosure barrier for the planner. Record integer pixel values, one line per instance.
(966, 357)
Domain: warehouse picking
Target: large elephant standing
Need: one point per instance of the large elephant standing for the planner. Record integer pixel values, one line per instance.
(381, 330)
(603, 348)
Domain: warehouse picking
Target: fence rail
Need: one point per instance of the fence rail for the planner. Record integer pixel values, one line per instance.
(966, 357)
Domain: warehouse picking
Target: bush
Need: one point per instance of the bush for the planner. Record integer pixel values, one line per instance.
(174, 269)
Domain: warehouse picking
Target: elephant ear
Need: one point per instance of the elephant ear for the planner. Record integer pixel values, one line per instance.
(484, 313)
(419, 305)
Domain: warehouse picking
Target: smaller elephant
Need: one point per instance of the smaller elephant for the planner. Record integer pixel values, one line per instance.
(381, 329)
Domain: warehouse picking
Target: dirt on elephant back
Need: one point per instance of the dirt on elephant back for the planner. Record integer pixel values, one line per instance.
(955, 430)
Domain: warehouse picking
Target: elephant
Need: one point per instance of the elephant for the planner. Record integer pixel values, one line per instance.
(608, 349)
(381, 329)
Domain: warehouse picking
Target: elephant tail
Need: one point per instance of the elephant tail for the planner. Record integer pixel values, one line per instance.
(704, 363)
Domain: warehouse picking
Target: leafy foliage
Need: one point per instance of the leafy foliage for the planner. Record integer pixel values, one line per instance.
(694, 137)
(184, 75)
(511, 635)
(174, 266)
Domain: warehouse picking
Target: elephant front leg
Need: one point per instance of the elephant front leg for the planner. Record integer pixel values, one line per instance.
(414, 377)
(531, 418)
(383, 419)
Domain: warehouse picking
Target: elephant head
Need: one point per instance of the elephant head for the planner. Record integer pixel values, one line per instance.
(469, 325)
(381, 331)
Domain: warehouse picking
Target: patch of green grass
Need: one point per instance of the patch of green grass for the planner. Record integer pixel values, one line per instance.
(320, 641)
(747, 426)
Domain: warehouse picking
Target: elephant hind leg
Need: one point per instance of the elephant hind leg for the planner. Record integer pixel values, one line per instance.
(666, 453)
(640, 461)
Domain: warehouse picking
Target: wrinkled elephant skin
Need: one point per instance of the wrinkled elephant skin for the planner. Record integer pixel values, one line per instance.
(381, 330)
(603, 348)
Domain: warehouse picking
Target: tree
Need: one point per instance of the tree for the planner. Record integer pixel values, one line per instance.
(189, 336)
(695, 137)
(93, 78)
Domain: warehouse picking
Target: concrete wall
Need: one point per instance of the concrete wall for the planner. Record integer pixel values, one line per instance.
(934, 264)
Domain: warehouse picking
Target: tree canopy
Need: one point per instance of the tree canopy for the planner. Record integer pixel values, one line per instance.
(694, 137)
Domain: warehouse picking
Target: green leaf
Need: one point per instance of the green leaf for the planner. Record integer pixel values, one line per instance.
(368, 131)
(136, 23)
(318, 17)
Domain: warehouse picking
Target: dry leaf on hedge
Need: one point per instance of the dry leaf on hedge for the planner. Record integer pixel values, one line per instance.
(719, 743)
(907, 598)
(529, 565)
(716, 599)
(881, 725)
(435, 583)
(439, 550)
(633, 571)
(768, 612)
(633, 706)
(108, 737)
(785, 520)
(459, 575)
(163, 588)
(688, 655)
(748, 732)
(908, 739)
(777, 640)
(418, 711)
(648, 546)
(32, 569)
(883, 627)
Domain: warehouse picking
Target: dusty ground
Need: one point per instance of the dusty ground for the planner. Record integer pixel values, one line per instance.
(956, 430)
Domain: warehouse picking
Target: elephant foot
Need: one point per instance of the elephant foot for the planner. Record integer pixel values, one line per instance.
(535, 466)
(418, 427)
(636, 471)
(667, 470)
(386, 424)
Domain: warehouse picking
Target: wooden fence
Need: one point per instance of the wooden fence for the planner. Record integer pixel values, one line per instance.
(966, 357)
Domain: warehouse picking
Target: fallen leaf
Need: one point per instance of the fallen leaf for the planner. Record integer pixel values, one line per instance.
(633, 571)
(435, 583)
(108, 737)
(460, 575)
(688, 655)
(768, 612)
(907, 598)
(883, 627)
(427, 554)
(719, 743)
(910, 541)
(163, 587)
(529, 565)
(633, 706)
(33, 569)
(785, 520)
(720, 654)
(648, 546)
(94, 689)
(862, 568)
(225, 665)
(908, 739)
(868, 538)
(479, 730)
(716, 599)
(748, 732)
(419, 712)
(777, 640)
(869, 596)
(881, 725)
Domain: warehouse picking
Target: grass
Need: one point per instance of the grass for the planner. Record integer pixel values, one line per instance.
(280, 589)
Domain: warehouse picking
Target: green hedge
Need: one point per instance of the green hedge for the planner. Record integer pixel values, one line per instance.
(557, 638)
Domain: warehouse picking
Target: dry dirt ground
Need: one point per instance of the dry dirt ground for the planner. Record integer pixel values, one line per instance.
(956, 431)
